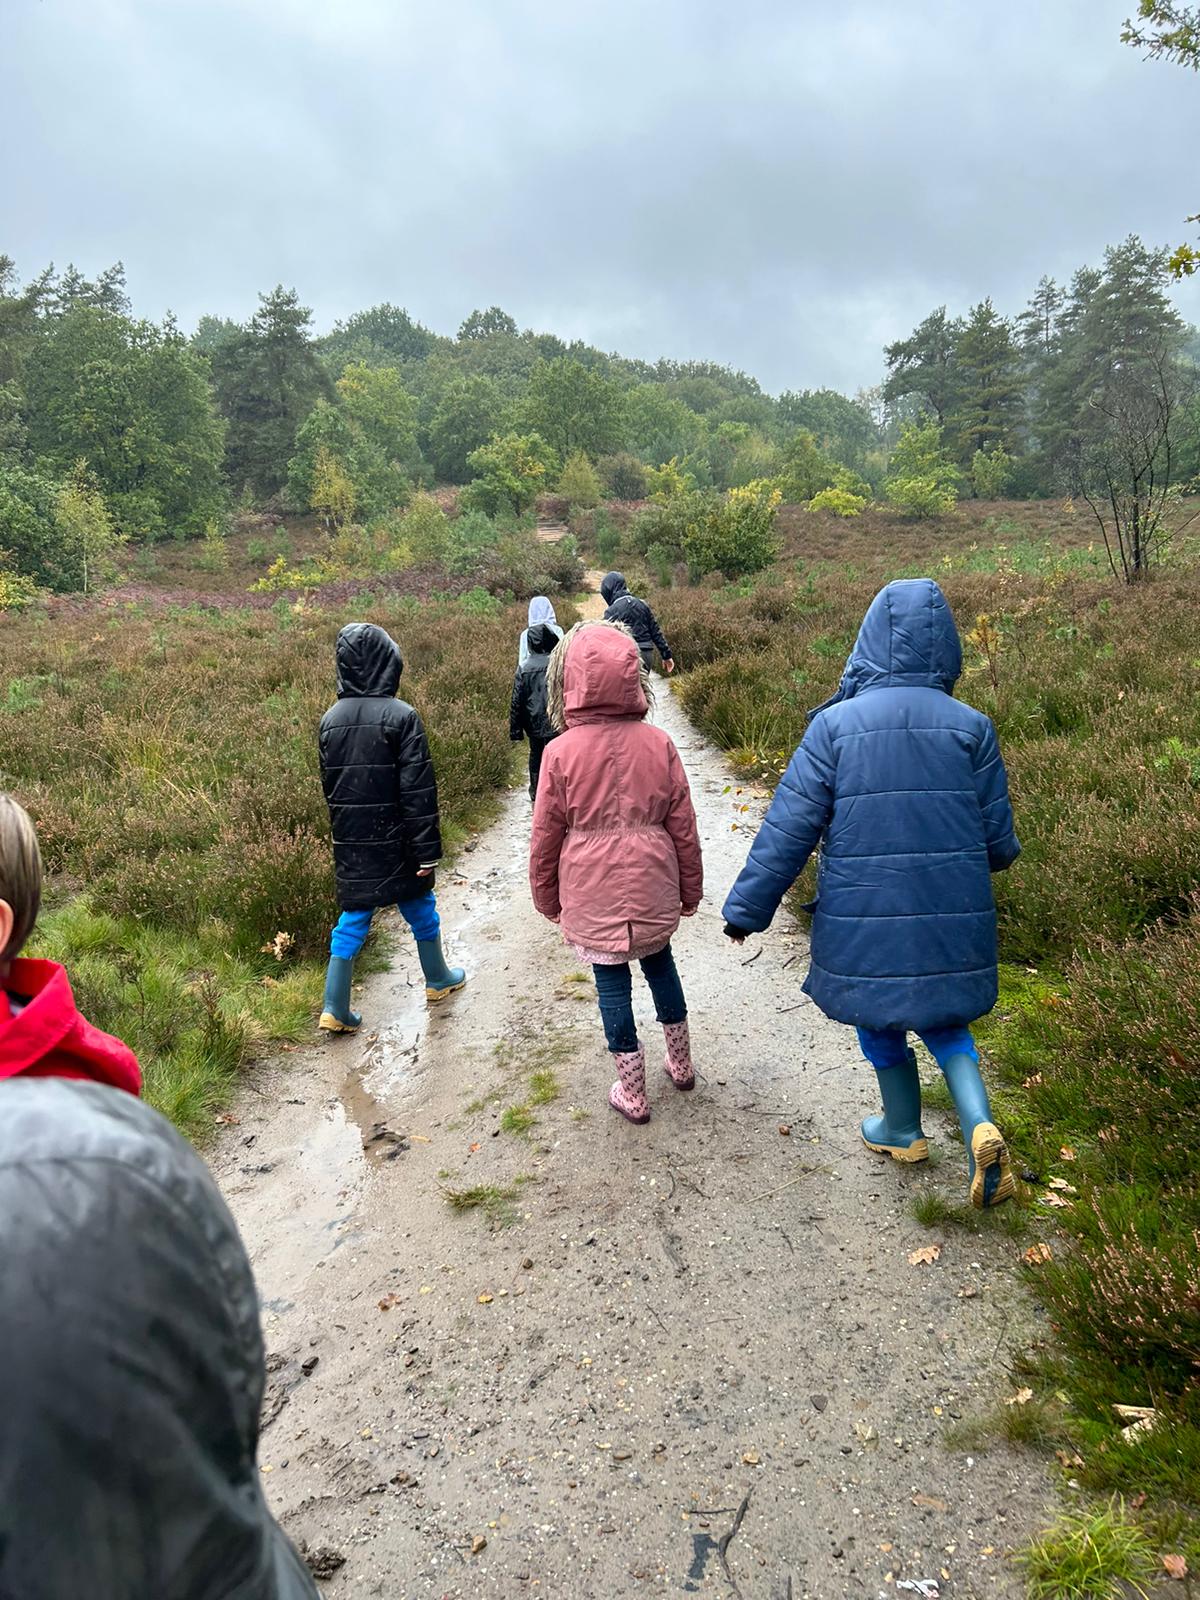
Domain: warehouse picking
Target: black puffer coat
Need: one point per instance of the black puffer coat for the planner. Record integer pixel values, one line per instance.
(132, 1374)
(378, 777)
(635, 614)
(528, 713)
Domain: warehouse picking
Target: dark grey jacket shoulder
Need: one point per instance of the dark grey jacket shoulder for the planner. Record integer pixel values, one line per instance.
(132, 1374)
(378, 777)
(635, 614)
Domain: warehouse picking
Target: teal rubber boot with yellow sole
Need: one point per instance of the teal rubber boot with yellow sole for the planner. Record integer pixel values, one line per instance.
(898, 1132)
(988, 1166)
(440, 980)
(336, 1015)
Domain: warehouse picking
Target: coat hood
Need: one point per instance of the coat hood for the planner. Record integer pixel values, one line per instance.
(612, 586)
(47, 1037)
(602, 677)
(908, 639)
(133, 1369)
(541, 638)
(540, 610)
(368, 662)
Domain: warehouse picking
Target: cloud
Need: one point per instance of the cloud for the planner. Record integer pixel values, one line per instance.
(780, 185)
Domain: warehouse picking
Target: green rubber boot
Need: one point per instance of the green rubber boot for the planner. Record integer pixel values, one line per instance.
(898, 1132)
(440, 980)
(987, 1154)
(336, 1015)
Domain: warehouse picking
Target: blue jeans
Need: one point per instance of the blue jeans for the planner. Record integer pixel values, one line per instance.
(888, 1047)
(614, 990)
(352, 928)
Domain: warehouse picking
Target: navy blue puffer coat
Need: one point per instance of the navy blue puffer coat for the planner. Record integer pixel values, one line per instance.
(904, 789)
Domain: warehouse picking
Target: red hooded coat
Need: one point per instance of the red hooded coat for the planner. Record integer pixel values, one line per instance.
(615, 850)
(47, 1038)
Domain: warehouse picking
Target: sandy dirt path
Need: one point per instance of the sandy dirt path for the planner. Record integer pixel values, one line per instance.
(695, 1360)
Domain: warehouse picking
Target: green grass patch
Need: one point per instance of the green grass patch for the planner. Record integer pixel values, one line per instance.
(496, 1201)
(544, 1087)
(1090, 1555)
(516, 1119)
(192, 1012)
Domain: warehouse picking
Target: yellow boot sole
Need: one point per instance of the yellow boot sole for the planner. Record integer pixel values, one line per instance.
(432, 996)
(331, 1024)
(990, 1152)
(917, 1151)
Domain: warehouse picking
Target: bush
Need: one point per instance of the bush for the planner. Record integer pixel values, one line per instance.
(922, 481)
(509, 474)
(623, 476)
(991, 472)
(737, 534)
(578, 483)
(425, 528)
(840, 501)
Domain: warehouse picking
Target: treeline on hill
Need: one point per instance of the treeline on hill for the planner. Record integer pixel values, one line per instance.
(113, 428)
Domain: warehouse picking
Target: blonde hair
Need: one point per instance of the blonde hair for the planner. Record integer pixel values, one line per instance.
(20, 872)
(556, 672)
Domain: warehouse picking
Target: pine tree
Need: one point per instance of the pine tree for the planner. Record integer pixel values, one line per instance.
(990, 388)
(924, 364)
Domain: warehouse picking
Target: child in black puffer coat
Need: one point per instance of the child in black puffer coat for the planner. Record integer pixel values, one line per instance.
(527, 714)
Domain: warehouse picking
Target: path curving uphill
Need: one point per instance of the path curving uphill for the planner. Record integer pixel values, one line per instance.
(691, 1357)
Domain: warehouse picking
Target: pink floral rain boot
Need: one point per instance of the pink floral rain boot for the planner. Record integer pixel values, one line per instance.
(628, 1095)
(678, 1065)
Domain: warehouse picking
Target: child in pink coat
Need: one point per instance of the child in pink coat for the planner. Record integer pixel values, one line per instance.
(615, 853)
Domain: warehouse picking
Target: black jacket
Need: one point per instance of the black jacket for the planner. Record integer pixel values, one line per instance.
(132, 1374)
(377, 776)
(527, 714)
(635, 614)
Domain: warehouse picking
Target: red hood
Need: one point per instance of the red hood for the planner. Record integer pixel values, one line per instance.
(602, 678)
(47, 1038)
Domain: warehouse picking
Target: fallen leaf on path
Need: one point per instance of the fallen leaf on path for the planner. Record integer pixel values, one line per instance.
(931, 1501)
(227, 1118)
(1021, 1398)
(924, 1256)
(1036, 1254)
(1055, 1200)
(1068, 1460)
(484, 1299)
(751, 1458)
(426, 1288)
(388, 1301)
(866, 1435)
(1175, 1567)
(1063, 1186)
(474, 1147)
(1067, 1153)
(968, 1292)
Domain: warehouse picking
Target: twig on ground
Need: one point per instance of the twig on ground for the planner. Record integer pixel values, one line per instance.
(753, 958)
(727, 1539)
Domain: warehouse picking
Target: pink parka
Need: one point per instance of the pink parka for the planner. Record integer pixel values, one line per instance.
(615, 852)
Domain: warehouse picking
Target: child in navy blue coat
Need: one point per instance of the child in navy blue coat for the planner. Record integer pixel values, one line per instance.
(904, 789)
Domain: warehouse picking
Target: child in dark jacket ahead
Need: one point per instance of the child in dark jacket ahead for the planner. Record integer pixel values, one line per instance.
(528, 714)
(904, 789)
(383, 811)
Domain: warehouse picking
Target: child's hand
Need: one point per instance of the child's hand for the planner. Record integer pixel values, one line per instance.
(738, 935)
(688, 911)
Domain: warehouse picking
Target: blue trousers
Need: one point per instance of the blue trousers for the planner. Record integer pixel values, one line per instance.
(352, 928)
(614, 990)
(888, 1047)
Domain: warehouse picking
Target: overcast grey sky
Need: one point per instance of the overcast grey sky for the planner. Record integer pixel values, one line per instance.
(778, 184)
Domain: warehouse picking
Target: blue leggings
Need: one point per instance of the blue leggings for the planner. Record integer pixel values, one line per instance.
(614, 990)
(352, 928)
(888, 1047)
